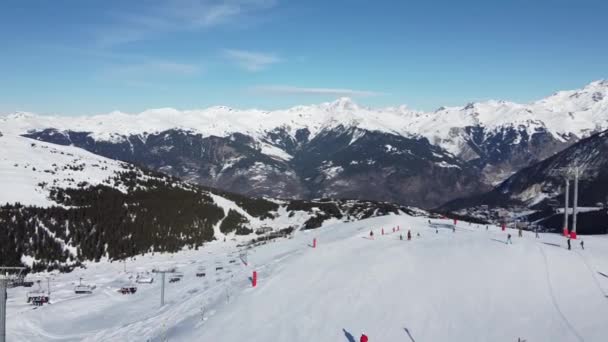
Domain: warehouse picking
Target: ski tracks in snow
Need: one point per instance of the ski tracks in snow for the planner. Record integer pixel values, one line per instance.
(554, 298)
(593, 274)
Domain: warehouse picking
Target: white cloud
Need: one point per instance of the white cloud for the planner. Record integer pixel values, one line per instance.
(251, 60)
(147, 22)
(155, 68)
(291, 90)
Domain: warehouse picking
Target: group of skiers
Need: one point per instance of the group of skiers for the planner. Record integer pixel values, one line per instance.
(509, 241)
(409, 234)
(570, 244)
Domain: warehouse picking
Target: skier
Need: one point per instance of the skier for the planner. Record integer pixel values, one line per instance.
(401, 237)
(418, 234)
(371, 234)
(487, 227)
(509, 239)
(436, 231)
(569, 246)
(520, 233)
(364, 338)
(582, 244)
(409, 235)
(536, 232)
(454, 229)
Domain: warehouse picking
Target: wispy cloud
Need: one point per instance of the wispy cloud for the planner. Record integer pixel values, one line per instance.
(291, 90)
(148, 22)
(251, 60)
(151, 74)
(133, 69)
(172, 68)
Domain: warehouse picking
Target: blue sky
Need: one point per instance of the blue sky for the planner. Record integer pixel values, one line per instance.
(88, 57)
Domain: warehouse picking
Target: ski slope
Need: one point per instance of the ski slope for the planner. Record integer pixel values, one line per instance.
(466, 285)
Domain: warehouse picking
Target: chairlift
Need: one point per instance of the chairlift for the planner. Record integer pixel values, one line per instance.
(145, 278)
(38, 297)
(175, 277)
(129, 289)
(83, 288)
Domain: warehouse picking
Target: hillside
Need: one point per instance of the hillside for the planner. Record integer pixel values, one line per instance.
(64, 206)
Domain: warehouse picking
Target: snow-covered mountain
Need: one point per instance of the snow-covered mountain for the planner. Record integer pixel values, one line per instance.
(541, 187)
(62, 205)
(318, 150)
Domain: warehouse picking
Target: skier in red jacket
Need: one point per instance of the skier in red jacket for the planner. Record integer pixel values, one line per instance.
(364, 338)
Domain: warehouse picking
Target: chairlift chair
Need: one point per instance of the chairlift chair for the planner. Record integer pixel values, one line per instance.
(38, 297)
(144, 279)
(128, 289)
(83, 288)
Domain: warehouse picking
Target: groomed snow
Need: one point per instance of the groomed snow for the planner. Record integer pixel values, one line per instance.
(466, 285)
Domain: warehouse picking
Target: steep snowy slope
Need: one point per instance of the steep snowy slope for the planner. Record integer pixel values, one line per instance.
(544, 181)
(541, 187)
(29, 169)
(433, 288)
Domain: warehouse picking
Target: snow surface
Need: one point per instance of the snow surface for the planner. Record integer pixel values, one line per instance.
(578, 112)
(26, 163)
(466, 285)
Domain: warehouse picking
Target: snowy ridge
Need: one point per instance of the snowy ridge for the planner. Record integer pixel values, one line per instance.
(576, 112)
(29, 169)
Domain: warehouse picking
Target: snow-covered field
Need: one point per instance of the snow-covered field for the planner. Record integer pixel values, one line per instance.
(466, 285)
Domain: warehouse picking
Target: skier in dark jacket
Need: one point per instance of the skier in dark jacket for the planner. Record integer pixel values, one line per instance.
(569, 245)
(582, 244)
(409, 235)
(509, 239)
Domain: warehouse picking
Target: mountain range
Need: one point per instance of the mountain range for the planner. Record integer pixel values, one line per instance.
(337, 149)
